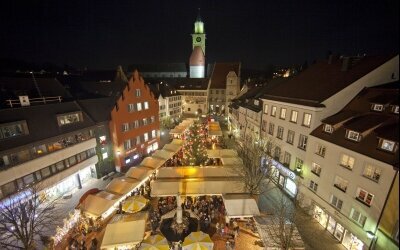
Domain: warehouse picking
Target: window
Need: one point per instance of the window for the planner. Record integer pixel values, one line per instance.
(144, 121)
(316, 169)
(13, 129)
(273, 111)
(271, 128)
(353, 135)
(137, 92)
(131, 107)
(336, 202)
(307, 120)
(28, 179)
(283, 114)
(127, 144)
(280, 132)
(66, 119)
(372, 172)
(341, 183)
(358, 217)
(146, 105)
(45, 172)
(277, 153)
(153, 134)
(146, 136)
(293, 116)
(139, 106)
(377, 107)
(328, 128)
(60, 165)
(8, 188)
(303, 142)
(387, 145)
(364, 197)
(313, 186)
(396, 109)
(264, 125)
(137, 140)
(125, 127)
(152, 119)
(265, 108)
(286, 159)
(320, 150)
(136, 124)
(290, 137)
(347, 161)
(299, 164)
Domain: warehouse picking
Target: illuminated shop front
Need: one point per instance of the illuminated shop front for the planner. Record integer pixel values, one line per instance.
(284, 178)
(344, 236)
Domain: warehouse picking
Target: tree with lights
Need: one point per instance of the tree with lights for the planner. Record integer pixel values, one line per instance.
(195, 152)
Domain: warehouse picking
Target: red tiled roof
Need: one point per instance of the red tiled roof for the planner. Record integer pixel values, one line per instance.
(221, 70)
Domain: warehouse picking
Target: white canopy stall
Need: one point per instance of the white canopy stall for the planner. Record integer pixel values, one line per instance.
(163, 154)
(122, 185)
(196, 172)
(221, 153)
(140, 173)
(174, 148)
(240, 206)
(123, 235)
(152, 162)
(97, 205)
(233, 161)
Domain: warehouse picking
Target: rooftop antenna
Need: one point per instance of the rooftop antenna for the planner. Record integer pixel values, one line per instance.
(36, 85)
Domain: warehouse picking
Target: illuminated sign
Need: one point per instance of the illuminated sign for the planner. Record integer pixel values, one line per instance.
(284, 170)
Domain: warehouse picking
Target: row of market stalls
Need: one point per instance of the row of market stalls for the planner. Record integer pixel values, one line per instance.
(107, 201)
(179, 130)
(214, 130)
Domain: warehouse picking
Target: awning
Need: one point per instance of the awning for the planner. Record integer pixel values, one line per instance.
(163, 154)
(221, 153)
(152, 162)
(123, 234)
(196, 172)
(97, 205)
(214, 186)
(235, 161)
(172, 148)
(122, 185)
(139, 173)
(240, 206)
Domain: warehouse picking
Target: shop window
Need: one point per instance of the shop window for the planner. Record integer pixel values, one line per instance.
(303, 142)
(356, 216)
(28, 179)
(347, 161)
(341, 183)
(336, 202)
(39, 150)
(66, 119)
(313, 186)
(60, 165)
(372, 172)
(290, 137)
(55, 146)
(273, 111)
(316, 169)
(293, 116)
(283, 114)
(307, 120)
(320, 150)
(364, 197)
(45, 172)
(72, 160)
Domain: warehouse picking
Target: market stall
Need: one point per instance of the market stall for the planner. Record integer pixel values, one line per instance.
(152, 162)
(123, 235)
(98, 205)
(221, 153)
(140, 173)
(163, 154)
(233, 161)
(196, 172)
(122, 185)
(240, 206)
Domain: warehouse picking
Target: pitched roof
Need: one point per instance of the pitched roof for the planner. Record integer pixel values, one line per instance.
(358, 116)
(162, 88)
(323, 79)
(219, 73)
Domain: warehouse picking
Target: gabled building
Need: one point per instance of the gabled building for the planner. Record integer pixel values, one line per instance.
(352, 165)
(169, 99)
(134, 123)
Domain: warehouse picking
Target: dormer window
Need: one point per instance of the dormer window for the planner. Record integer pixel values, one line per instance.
(328, 128)
(353, 135)
(396, 109)
(256, 102)
(69, 118)
(387, 145)
(377, 107)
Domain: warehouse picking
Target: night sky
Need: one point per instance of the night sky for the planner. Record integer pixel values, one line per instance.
(103, 34)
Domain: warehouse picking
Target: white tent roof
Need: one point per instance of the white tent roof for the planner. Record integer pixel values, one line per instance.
(163, 154)
(172, 148)
(176, 131)
(139, 173)
(214, 186)
(123, 234)
(240, 206)
(231, 161)
(177, 142)
(98, 204)
(195, 172)
(152, 162)
(122, 185)
(221, 153)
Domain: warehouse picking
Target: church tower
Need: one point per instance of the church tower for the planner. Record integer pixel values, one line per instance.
(199, 37)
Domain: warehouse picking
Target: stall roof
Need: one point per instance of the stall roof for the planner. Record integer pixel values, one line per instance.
(123, 233)
(177, 142)
(221, 153)
(195, 172)
(172, 147)
(231, 161)
(211, 186)
(240, 205)
(98, 204)
(214, 129)
(122, 185)
(139, 173)
(163, 154)
(152, 162)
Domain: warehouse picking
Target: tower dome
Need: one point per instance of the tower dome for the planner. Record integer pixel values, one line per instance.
(197, 63)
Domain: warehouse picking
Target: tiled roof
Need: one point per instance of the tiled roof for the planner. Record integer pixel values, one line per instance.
(322, 80)
(219, 73)
(162, 88)
(358, 116)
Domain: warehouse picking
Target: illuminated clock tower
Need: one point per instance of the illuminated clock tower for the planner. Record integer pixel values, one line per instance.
(199, 37)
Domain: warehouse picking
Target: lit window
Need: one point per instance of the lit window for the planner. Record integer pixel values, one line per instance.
(152, 119)
(127, 144)
(307, 120)
(358, 217)
(341, 183)
(283, 113)
(293, 116)
(146, 136)
(69, 118)
(372, 172)
(144, 121)
(13, 129)
(273, 111)
(137, 92)
(364, 196)
(347, 161)
(105, 155)
(313, 186)
(336, 202)
(290, 137)
(137, 140)
(303, 142)
(396, 109)
(153, 134)
(328, 128)
(299, 164)
(146, 105)
(316, 169)
(320, 150)
(377, 107)
(139, 106)
(265, 108)
(388, 145)
(353, 135)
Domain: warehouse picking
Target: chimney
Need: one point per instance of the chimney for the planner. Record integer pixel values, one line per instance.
(346, 63)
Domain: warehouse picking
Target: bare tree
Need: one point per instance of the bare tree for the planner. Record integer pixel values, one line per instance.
(25, 219)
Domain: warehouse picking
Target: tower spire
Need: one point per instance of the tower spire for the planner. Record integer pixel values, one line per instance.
(198, 19)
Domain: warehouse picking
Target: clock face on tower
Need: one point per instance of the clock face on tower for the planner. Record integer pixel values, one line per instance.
(198, 39)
